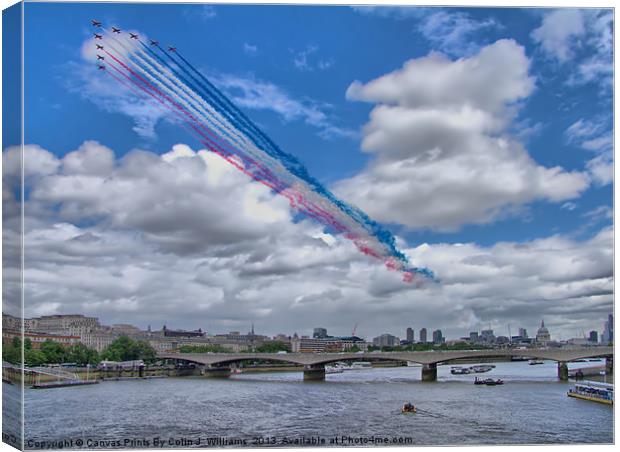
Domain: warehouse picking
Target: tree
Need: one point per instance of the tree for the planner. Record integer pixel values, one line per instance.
(126, 349)
(82, 355)
(53, 352)
(272, 347)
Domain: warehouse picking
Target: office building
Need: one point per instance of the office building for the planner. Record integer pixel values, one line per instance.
(423, 335)
(385, 340)
(438, 337)
(523, 333)
(593, 337)
(410, 337)
(608, 332)
(319, 333)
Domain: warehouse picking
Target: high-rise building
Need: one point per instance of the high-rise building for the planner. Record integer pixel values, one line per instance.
(385, 340)
(423, 335)
(473, 336)
(608, 333)
(487, 336)
(523, 333)
(319, 333)
(410, 337)
(542, 335)
(438, 337)
(593, 337)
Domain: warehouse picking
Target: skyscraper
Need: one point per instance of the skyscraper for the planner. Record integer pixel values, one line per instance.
(437, 337)
(523, 333)
(608, 332)
(410, 336)
(593, 337)
(423, 335)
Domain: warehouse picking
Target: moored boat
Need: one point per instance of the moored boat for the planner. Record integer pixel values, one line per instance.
(534, 362)
(593, 391)
(458, 370)
(482, 368)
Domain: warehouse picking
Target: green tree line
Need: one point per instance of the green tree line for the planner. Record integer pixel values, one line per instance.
(50, 352)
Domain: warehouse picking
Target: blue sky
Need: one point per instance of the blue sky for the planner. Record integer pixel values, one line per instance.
(327, 71)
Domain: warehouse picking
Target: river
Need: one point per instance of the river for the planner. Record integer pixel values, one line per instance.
(363, 406)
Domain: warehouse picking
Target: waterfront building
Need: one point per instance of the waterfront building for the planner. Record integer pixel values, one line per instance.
(423, 335)
(608, 332)
(542, 335)
(36, 339)
(410, 335)
(319, 333)
(166, 332)
(593, 337)
(385, 340)
(523, 333)
(438, 337)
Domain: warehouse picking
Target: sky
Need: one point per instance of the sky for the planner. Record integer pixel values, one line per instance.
(481, 138)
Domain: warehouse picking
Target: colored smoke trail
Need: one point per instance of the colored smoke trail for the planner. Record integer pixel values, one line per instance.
(170, 79)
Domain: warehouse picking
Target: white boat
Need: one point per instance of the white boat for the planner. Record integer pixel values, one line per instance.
(334, 369)
(458, 370)
(534, 362)
(482, 368)
(359, 365)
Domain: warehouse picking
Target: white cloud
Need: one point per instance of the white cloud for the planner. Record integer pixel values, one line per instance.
(252, 93)
(595, 136)
(452, 32)
(559, 33)
(185, 239)
(583, 37)
(442, 157)
(250, 49)
(306, 60)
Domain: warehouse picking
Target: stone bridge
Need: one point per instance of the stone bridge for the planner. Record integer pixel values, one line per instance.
(218, 364)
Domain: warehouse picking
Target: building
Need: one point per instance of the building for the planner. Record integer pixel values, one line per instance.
(523, 333)
(473, 337)
(423, 335)
(438, 337)
(593, 337)
(386, 340)
(487, 336)
(542, 335)
(608, 332)
(410, 335)
(166, 332)
(319, 333)
(36, 339)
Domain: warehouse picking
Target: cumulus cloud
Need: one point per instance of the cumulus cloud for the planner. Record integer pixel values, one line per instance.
(184, 239)
(442, 154)
(559, 33)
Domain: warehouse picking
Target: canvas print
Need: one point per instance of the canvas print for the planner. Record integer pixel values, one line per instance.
(306, 226)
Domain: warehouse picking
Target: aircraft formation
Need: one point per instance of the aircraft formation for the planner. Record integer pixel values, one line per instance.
(165, 76)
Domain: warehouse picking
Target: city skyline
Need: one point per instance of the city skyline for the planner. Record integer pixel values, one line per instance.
(322, 332)
(504, 193)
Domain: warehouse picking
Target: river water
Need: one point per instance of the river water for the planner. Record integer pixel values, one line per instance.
(363, 406)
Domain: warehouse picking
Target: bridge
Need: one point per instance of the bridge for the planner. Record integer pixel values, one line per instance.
(218, 364)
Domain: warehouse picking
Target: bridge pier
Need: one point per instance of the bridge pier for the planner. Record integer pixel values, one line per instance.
(215, 372)
(314, 372)
(609, 365)
(562, 370)
(429, 372)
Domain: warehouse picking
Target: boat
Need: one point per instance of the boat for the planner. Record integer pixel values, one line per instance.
(488, 382)
(595, 360)
(408, 408)
(593, 391)
(458, 370)
(359, 365)
(334, 369)
(534, 362)
(482, 368)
